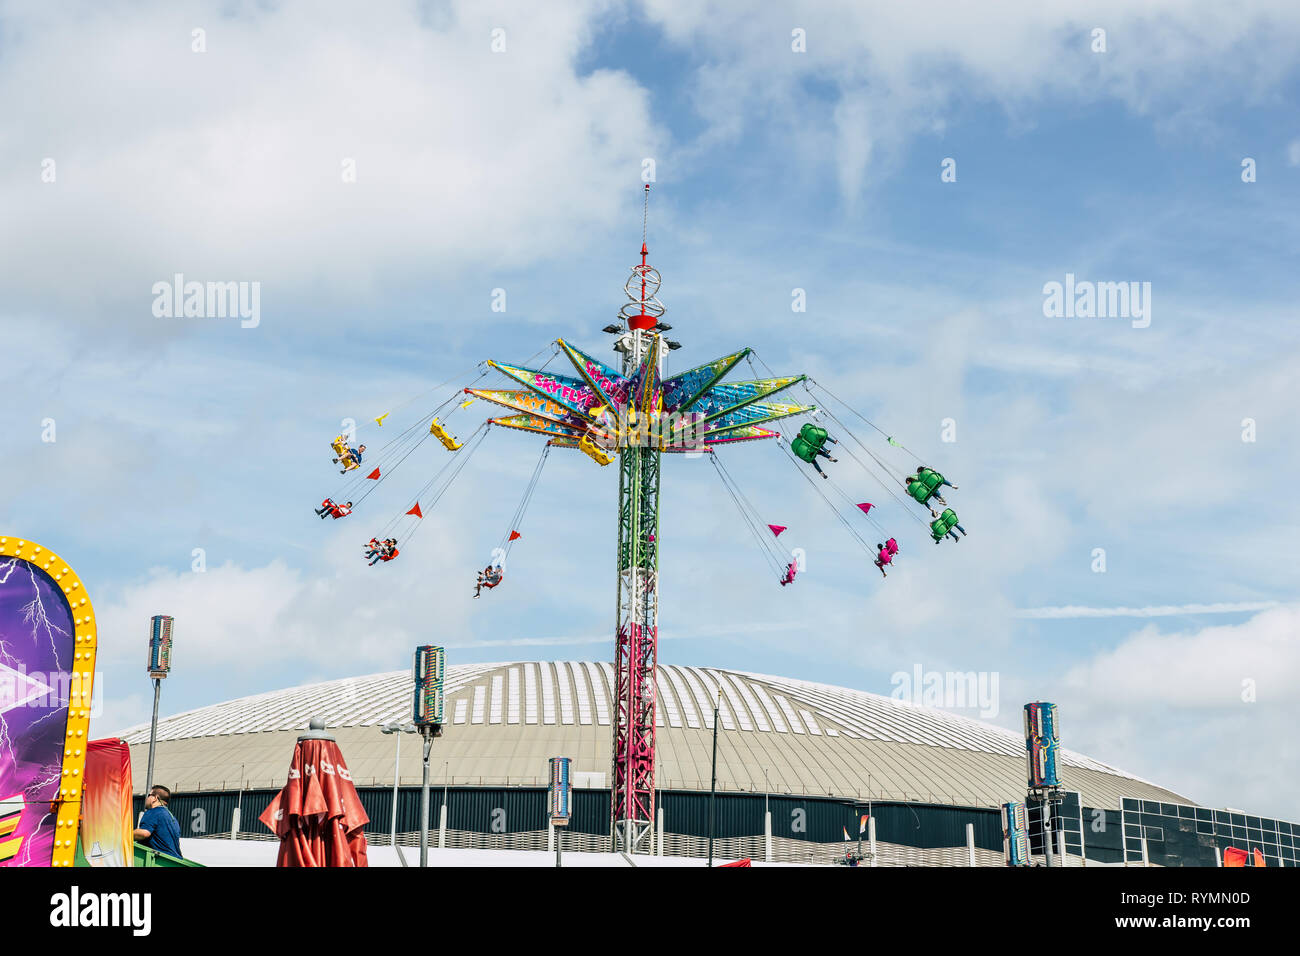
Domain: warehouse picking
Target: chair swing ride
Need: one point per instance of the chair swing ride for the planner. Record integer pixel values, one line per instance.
(629, 416)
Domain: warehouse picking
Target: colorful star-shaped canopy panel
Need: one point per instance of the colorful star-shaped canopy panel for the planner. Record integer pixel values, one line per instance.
(611, 410)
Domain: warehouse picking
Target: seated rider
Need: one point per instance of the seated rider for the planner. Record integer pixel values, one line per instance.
(378, 549)
(885, 554)
(807, 445)
(488, 578)
(816, 436)
(943, 524)
(351, 459)
(333, 509)
(925, 484)
(384, 550)
(922, 470)
(790, 570)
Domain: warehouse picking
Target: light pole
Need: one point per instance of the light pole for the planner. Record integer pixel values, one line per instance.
(428, 672)
(443, 812)
(767, 818)
(239, 806)
(713, 786)
(427, 733)
(160, 664)
(558, 798)
(397, 730)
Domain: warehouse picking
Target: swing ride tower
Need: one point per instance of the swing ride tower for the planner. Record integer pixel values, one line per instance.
(636, 643)
(633, 415)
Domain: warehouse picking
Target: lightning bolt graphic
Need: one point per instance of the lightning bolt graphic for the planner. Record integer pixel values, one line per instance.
(13, 653)
(26, 859)
(34, 614)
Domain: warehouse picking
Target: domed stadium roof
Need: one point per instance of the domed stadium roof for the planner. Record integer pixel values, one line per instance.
(504, 720)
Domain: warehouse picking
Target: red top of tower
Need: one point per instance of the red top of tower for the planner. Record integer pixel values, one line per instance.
(642, 320)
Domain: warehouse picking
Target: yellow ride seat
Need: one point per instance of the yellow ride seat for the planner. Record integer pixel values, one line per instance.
(439, 431)
(340, 446)
(594, 451)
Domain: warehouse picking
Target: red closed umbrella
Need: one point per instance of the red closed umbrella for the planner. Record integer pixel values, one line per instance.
(318, 815)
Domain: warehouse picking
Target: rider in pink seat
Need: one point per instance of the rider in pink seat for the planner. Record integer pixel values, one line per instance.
(885, 555)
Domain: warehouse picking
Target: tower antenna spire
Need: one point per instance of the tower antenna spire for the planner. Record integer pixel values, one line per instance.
(643, 310)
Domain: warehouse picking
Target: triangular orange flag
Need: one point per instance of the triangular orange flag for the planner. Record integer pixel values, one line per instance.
(374, 474)
(416, 511)
(515, 534)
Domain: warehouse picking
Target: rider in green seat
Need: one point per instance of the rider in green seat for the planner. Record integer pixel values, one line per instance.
(808, 445)
(943, 524)
(925, 484)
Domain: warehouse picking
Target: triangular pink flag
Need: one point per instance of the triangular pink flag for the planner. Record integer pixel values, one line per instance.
(777, 529)
(866, 507)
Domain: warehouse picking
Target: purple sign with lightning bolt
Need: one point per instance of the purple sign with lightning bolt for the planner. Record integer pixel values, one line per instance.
(36, 654)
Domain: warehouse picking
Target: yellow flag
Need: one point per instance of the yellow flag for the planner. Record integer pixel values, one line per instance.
(380, 420)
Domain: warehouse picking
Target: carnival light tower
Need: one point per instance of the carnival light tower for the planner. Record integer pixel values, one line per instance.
(633, 415)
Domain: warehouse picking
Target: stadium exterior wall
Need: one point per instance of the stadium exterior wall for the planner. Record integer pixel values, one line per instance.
(804, 829)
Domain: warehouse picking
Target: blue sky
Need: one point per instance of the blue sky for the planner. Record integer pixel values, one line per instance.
(774, 170)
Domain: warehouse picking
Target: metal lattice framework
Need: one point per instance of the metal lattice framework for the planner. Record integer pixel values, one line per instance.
(633, 415)
(632, 805)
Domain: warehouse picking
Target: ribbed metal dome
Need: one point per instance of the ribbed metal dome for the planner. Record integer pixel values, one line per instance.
(504, 720)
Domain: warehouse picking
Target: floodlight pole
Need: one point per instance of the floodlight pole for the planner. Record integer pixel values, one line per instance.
(427, 673)
(160, 663)
(397, 776)
(153, 732)
(713, 786)
(426, 732)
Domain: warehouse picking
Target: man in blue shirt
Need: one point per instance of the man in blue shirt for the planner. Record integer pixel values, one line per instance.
(157, 828)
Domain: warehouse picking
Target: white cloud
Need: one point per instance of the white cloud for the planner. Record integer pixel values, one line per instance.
(1163, 610)
(1178, 708)
(1203, 669)
(895, 70)
(227, 164)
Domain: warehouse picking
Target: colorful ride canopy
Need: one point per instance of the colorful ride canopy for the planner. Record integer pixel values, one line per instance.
(688, 411)
(47, 663)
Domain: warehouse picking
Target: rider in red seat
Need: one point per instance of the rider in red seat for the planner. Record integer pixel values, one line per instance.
(333, 509)
(384, 550)
(489, 578)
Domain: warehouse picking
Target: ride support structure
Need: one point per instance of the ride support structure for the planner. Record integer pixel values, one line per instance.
(634, 414)
(632, 799)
